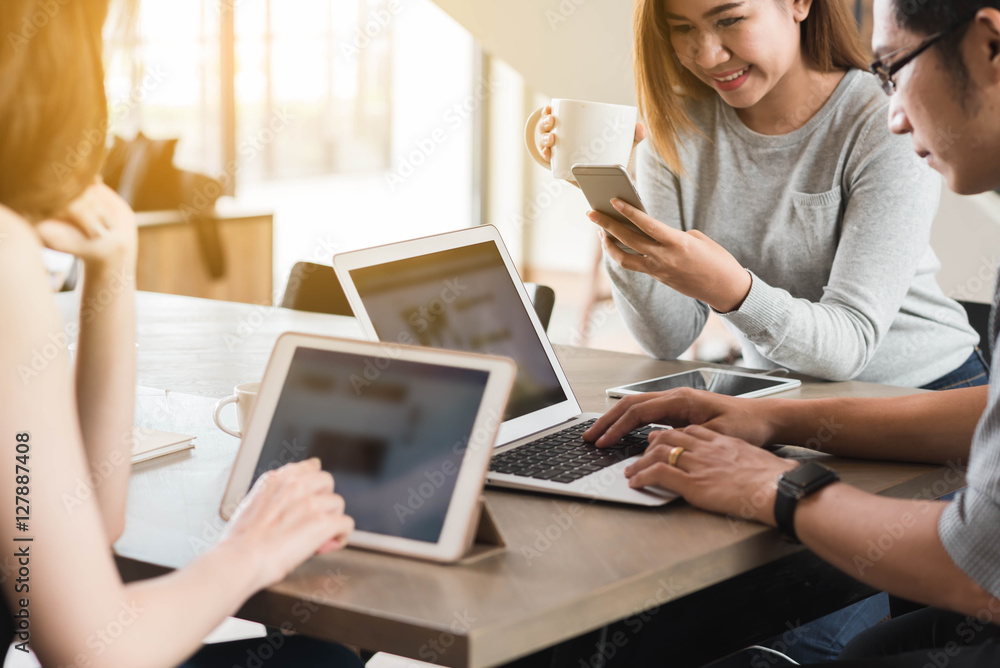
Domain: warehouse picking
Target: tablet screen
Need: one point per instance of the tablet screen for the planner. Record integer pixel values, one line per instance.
(392, 432)
(720, 383)
(461, 299)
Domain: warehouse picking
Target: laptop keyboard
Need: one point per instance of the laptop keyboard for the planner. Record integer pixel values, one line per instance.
(564, 456)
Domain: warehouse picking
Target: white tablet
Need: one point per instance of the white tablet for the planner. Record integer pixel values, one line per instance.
(720, 381)
(406, 432)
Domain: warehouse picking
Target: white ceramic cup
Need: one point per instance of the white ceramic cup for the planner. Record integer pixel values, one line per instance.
(586, 132)
(244, 395)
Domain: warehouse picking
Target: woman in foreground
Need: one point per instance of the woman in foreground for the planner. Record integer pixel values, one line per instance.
(57, 423)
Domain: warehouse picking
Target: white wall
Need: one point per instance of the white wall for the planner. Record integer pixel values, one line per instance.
(966, 238)
(563, 48)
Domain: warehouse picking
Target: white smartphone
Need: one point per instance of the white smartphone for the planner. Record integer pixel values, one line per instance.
(720, 381)
(602, 183)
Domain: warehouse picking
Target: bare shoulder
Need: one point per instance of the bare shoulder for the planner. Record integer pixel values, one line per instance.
(22, 265)
(17, 236)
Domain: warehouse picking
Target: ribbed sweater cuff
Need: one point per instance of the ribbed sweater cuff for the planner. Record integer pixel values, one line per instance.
(968, 529)
(762, 311)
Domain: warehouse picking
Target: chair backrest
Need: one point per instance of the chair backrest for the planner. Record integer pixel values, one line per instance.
(543, 298)
(314, 287)
(979, 318)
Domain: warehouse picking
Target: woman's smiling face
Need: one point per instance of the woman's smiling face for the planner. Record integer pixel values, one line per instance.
(741, 48)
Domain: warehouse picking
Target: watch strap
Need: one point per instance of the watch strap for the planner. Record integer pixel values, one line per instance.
(785, 504)
(795, 485)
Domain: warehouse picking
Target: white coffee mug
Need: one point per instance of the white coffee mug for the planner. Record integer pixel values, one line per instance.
(586, 132)
(244, 395)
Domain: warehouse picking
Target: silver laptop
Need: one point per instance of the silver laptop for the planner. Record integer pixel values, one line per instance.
(461, 291)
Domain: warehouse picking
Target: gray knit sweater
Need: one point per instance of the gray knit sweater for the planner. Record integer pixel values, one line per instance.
(833, 220)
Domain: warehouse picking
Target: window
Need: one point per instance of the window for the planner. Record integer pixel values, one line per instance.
(312, 84)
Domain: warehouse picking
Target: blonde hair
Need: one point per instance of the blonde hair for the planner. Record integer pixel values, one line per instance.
(53, 110)
(830, 41)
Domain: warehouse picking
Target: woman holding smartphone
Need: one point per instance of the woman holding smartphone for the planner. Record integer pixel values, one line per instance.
(68, 422)
(768, 168)
(777, 196)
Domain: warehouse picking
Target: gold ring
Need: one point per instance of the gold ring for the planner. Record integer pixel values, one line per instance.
(675, 454)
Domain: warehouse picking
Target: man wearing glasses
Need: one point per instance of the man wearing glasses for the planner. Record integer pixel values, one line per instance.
(939, 60)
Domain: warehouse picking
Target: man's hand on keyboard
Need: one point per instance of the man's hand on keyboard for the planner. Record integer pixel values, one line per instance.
(752, 420)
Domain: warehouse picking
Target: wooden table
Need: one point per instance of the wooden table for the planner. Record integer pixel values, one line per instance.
(571, 566)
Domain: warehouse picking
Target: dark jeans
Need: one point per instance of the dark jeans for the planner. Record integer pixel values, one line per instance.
(274, 651)
(928, 637)
(826, 637)
(973, 373)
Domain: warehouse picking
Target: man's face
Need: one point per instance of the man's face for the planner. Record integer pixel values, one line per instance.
(943, 115)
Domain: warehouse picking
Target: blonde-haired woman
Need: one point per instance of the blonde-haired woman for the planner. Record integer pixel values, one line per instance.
(777, 196)
(59, 423)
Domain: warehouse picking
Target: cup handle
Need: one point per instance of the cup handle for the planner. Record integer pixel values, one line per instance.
(531, 138)
(218, 409)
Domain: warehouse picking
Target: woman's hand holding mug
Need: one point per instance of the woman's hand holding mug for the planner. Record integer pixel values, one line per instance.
(589, 133)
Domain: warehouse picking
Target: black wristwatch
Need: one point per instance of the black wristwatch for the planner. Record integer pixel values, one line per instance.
(795, 485)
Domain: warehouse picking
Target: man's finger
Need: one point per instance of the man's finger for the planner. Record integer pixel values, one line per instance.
(662, 475)
(604, 422)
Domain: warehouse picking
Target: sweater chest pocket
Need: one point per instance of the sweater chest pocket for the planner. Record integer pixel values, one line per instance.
(815, 221)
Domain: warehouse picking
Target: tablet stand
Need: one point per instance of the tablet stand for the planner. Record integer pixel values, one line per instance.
(488, 541)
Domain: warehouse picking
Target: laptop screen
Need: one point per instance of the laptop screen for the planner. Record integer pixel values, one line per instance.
(461, 299)
(392, 432)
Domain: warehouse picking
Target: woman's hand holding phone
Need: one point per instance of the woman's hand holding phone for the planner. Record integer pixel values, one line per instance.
(688, 262)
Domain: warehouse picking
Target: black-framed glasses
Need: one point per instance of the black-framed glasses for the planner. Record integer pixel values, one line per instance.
(886, 67)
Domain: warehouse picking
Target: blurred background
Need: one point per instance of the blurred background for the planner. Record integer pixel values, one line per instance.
(331, 125)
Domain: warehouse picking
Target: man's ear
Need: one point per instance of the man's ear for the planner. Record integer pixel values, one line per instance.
(988, 22)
